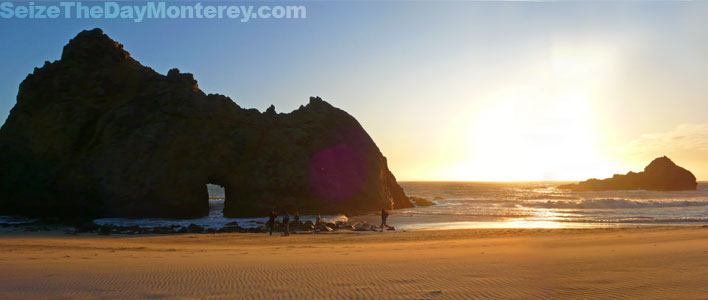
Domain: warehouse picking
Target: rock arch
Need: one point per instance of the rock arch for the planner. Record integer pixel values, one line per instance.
(98, 134)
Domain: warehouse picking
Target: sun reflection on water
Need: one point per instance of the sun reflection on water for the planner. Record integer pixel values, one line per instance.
(511, 224)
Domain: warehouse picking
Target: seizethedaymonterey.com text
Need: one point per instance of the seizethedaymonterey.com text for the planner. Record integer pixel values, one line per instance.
(140, 11)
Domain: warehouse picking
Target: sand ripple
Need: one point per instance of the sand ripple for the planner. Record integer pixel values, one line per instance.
(502, 264)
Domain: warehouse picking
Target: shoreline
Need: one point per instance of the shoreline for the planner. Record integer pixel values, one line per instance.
(127, 227)
(451, 233)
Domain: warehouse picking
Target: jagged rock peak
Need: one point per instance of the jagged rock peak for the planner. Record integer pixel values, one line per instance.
(187, 78)
(93, 46)
(660, 163)
(317, 103)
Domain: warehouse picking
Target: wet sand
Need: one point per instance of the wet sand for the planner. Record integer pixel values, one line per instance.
(637, 263)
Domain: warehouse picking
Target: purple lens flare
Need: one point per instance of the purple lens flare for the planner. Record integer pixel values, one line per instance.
(337, 173)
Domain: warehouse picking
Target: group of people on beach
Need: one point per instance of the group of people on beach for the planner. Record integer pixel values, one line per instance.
(286, 221)
(318, 222)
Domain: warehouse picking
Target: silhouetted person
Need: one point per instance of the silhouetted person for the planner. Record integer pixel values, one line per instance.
(318, 224)
(384, 216)
(296, 219)
(271, 221)
(286, 222)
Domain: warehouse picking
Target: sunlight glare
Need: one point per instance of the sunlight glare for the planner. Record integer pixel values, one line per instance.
(545, 130)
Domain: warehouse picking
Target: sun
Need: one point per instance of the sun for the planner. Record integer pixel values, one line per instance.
(545, 130)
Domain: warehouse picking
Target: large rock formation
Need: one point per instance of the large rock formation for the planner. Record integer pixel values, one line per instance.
(98, 134)
(660, 175)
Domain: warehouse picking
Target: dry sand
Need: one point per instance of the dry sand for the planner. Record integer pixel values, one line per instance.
(640, 263)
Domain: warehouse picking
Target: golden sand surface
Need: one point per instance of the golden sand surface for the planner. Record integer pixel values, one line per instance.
(634, 263)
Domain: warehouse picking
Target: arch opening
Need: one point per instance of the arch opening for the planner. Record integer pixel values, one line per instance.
(217, 199)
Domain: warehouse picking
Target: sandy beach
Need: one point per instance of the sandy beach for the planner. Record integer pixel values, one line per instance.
(637, 263)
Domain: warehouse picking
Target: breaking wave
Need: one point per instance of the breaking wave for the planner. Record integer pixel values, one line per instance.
(612, 203)
(215, 220)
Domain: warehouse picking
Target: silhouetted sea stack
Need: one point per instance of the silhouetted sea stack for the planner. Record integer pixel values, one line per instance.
(96, 134)
(661, 174)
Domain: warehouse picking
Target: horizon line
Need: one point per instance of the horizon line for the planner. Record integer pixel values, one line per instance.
(508, 181)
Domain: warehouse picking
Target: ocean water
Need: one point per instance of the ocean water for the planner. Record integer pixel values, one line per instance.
(495, 205)
(541, 205)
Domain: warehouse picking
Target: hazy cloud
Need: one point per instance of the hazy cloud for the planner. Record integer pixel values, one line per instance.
(685, 137)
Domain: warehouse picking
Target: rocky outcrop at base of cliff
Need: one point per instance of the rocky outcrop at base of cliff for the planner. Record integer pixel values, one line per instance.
(96, 134)
(661, 174)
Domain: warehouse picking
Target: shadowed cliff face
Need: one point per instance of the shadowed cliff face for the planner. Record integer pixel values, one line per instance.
(660, 175)
(98, 134)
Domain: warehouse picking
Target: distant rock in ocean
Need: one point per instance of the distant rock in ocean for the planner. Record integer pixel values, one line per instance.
(661, 174)
(96, 134)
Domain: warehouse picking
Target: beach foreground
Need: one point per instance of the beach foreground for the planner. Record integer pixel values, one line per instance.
(636, 263)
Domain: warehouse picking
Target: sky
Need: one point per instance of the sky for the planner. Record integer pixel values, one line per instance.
(449, 90)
